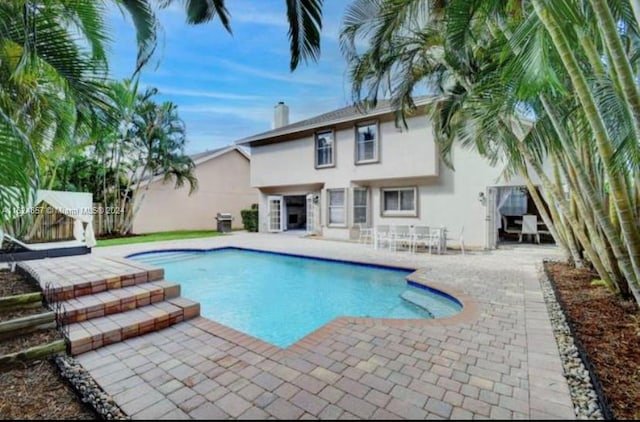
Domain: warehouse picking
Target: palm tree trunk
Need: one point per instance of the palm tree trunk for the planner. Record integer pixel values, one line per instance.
(584, 210)
(628, 222)
(576, 252)
(585, 185)
(562, 203)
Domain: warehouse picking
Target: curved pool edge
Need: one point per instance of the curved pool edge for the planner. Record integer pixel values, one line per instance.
(296, 255)
(469, 312)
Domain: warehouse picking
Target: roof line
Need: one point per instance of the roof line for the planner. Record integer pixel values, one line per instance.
(295, 128)
(220, 152)
(201, 160)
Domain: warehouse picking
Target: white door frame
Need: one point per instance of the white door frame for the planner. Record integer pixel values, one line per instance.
(491, 236)
(275, 217)
(310, 213)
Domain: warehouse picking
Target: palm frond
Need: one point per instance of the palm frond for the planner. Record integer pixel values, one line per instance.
(305, 24)
(202, 11)
(146, 24)
(19, 175)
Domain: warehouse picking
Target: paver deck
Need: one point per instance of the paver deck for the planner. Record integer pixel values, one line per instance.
(498, 359)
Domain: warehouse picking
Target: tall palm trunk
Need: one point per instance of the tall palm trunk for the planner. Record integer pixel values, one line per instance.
(628, 222)
(575, 173)
(585, 212)
(583, 238)
(576, 253)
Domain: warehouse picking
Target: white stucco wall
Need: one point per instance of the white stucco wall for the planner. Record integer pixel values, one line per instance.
(403, 153)
(447, 198)
(223, 186)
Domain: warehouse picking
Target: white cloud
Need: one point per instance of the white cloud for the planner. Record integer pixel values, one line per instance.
(265, 14)
(204, 93)
(267, 74)
(257, 114)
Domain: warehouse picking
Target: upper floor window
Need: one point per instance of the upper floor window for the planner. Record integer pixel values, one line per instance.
(367, 143)
(325, 149)
(400, 202)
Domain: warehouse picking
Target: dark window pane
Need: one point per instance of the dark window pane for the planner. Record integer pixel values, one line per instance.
(391, 202)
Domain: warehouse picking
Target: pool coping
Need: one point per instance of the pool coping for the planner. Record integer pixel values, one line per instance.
(470, 308)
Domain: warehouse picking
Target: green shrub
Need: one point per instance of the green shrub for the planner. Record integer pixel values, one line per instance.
(250, 219)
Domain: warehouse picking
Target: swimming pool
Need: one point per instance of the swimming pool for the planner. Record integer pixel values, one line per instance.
(281, 298)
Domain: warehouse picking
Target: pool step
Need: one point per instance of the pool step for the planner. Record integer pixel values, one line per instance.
(164, 258)
(72, 277)
(113, 301)
(108, 300)
(92, 334)
(436, 304)
(421, 301)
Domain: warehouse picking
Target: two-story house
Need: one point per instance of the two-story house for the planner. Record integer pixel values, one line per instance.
(331, 173)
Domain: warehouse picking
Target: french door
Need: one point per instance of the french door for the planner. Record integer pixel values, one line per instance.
(275, 213)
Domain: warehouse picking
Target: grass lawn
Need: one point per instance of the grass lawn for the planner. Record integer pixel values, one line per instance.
(154, 237)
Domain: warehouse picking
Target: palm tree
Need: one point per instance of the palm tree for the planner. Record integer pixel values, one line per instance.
(149, 139)
(304, 18)
(53, 69)
(507, 83)
(51, 65)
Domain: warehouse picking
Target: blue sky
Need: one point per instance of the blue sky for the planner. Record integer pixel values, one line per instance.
(226, 85)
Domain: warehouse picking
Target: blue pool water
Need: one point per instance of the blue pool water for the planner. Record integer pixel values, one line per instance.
(280, 298)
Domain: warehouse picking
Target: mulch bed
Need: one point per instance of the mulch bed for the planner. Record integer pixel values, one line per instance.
(15, 284)
(37, 391)
(608, 329)
(26, 341)
(34, 390)
(20, 313)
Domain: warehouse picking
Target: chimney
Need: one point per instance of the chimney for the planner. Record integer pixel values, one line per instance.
(280, 115)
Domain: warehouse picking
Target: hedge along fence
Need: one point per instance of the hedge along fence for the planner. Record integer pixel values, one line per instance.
(250, 218)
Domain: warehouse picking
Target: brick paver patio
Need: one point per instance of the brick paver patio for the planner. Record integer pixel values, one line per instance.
(498, 359)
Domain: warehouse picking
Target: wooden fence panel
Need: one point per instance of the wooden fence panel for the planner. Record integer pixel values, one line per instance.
(54, 226)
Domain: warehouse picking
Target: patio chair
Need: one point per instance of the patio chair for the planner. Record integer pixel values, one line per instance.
(401, 237)
(29, 251)
(460, 240)
(509, 230)
(436, 236)
(381, 235)
(420, 237)
(365, 233)
(530, 227)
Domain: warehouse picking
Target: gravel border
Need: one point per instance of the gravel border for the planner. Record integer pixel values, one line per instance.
(88, 390)
(588, 402)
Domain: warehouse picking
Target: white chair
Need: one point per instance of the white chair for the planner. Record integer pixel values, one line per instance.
(365, 233)
(401, 236)
(530, 227)
(509, 230)
(436, 238)
(460, 240)
(420, 237)
(381, 235)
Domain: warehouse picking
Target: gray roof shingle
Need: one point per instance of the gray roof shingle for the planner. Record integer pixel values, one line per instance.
(351, 112)
(199, 155)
